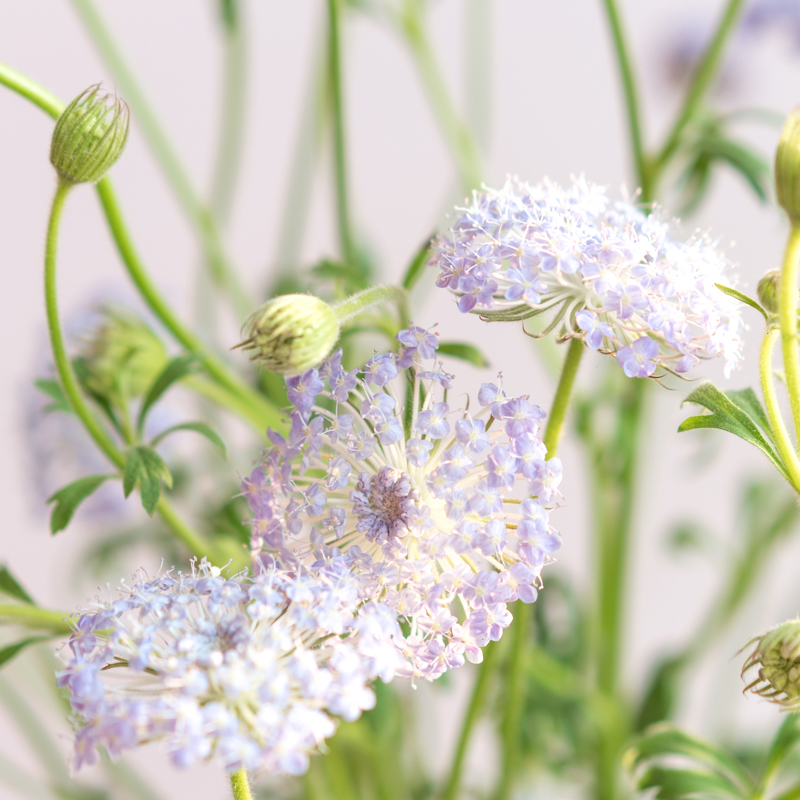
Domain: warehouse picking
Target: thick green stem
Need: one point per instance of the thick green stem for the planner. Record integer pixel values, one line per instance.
(787, 311)
(455, 131)
(702, 80)
(628, 77)
(361, 301)
(201, 216)
(240, 785)
(566, 383)
(346, 243)
(782, 440)
(40, 619)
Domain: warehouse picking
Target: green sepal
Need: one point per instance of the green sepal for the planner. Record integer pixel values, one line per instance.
(742, 298)
(738, 412)
(70, 497)
(417, 265)
(11, 587)
(52, 388)
(9, 651)
(197, 427)
(177, 369)
(464, 352)
(145, 467)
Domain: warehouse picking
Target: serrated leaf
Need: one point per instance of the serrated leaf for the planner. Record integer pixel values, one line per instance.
(145, 467)
(742, 298)
(681, 784)
(667, 740)
(11, 650)
(417, 265)
(52, 388)
(70, 497)
(197, 427)
(11, 587)
(464, 352)
(177, 369)
(726, 415)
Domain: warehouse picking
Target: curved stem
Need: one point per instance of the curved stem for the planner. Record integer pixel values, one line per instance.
(631, 98)
(340, 161)
(36, 618)
(202, 218)
(240, 785)
(30, 90)
(702, 79)
(361, 301)
(782, 440)
(70, 384)
(787, 311)
(566, 383)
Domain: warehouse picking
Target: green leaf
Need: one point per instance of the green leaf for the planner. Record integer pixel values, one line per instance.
(680, 784)
(197, 427)
(70, 497)
(754, 169)
(338, 271)
(10, 586)
(52, 388)
(726, 415)
(463, 351)
(417, 266)
(662, 694)
(742, 298)
(177, 369)
(145, 467)
(11, 650)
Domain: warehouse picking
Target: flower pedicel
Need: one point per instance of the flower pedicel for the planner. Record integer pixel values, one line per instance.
(441, 510)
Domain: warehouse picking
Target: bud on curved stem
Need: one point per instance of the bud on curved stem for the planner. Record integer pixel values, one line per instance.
(777, 658)
(89, 136)
(768, 290)
(294, 332)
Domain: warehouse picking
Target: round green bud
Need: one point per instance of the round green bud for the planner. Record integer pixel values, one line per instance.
(768, 290)
(291, 333)
(122, 356)
(787, 167)
(777, 658)
(89, 136)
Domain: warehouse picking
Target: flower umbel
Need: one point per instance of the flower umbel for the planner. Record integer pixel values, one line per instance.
(247, 670)
(609, 274)
(777, 658)
(440, 510)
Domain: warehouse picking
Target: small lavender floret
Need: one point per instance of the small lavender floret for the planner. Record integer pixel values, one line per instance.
(606, 272)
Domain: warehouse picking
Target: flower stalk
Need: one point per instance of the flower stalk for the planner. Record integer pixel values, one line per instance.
(241, 785)
(787, 311)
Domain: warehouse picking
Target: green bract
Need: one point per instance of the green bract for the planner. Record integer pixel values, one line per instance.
(787, 167)
(89, 136)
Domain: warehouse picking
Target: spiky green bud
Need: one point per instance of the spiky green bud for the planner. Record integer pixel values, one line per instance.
(777, 658)
(768, 290)
(787, 167)
(122, 356)
(89, 136)
(291, 333)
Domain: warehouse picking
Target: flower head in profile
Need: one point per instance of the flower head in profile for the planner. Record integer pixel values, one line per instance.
(250, 671)
(439, 507)
(776, 656)
(605, 271)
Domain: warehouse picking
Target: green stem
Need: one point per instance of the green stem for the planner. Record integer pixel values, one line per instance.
(36, 618)
(701, 82)
(787, 311)
(70, 384)
(340, 162)
(474, 709)
(455, 132)
(566, 383)
(631, 97)
(240, 785)
(267, 413)
(201, 217)
(361, 301)
(782, 440)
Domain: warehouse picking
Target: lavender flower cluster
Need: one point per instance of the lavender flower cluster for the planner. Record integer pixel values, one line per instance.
(609, 273)
(247, 670)
(440, 513)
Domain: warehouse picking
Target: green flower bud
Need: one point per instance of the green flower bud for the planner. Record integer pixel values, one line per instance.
(777, 658)
(787, 167)
(291, 333)
(768, 290)
(122, 356)
(89, 136)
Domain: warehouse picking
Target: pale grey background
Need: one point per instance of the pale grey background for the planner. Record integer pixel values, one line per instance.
(555, 110)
